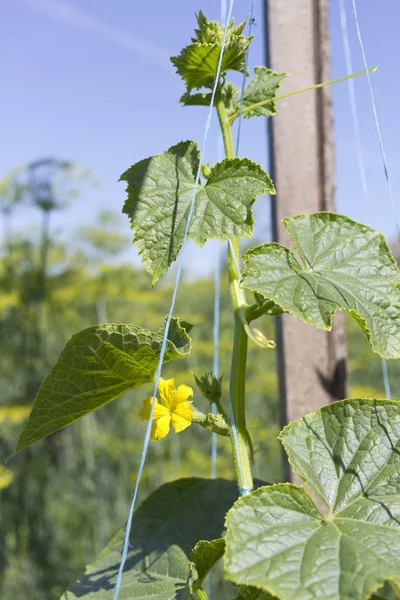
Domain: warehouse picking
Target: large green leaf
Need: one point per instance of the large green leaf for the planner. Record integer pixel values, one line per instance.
(345, 266)
(197, 63)
(277, 540)
(96, 366)
(165, 529)
(262, 86)
(160, 191)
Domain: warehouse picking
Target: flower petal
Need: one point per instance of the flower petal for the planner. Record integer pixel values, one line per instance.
(182, 417)
(166, 389)
(183, 393)
(160, 428)
(159, 410)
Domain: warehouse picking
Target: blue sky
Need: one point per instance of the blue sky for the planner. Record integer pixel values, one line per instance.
(90, 81)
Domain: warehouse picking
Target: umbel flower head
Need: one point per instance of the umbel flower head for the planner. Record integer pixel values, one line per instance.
(173, 407)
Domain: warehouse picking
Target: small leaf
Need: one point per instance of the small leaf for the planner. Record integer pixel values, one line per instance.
(262, 86)
(345, 266)
(210, 386)
(197, 63)
(277, 540)
(200, 99)
(165, 529)
(96, 366)
(160, 191)
(204, 556)
(228, 92)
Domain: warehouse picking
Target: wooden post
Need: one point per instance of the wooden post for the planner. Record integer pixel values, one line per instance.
(311, 362)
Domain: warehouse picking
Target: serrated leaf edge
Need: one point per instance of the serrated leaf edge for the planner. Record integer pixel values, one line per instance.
(318, 412)
(291, 485)
(357, 317)
(258, 491)
(352, 312)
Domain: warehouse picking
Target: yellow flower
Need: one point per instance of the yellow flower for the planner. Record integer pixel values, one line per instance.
(174, 407)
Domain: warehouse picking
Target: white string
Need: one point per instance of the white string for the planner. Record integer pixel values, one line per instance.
(345, 35)
(169, 317)
(353, 104)
(217, 291)
(246, 64)
(378, 129)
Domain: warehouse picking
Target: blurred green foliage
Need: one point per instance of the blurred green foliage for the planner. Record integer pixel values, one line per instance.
(62, 499)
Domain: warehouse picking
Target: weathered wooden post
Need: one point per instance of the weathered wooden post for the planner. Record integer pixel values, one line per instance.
(312, 362)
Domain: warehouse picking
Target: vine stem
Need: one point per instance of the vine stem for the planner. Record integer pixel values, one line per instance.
(201, 594)
(241, 446)
(294, 93)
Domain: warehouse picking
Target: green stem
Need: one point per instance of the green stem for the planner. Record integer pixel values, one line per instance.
(215, 423)
(241, 445)
(306, 89)
(225, 129)
(201, 594)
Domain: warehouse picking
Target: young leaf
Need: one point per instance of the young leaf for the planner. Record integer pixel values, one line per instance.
(200, 99)
(96, 366)
(229, 93)
(165, 529)
(277, 540)
(210, 386)
(160, 191)
(204, 556)
(345, 266)
(197, 63)
(262, 86)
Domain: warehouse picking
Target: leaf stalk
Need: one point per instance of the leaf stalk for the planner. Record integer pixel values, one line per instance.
(201, 594)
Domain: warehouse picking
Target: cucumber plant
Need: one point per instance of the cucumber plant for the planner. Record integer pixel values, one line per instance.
(276, 541)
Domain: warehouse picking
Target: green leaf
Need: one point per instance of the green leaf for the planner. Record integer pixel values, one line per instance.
(165, 529)
(96, 366)
(210, 386)
(204, 556)
(262, 86)
(277, 540)
(252, 593)
(345, 266)
(197, 63)
(229, 94)
(200, 99)
(160, 191)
